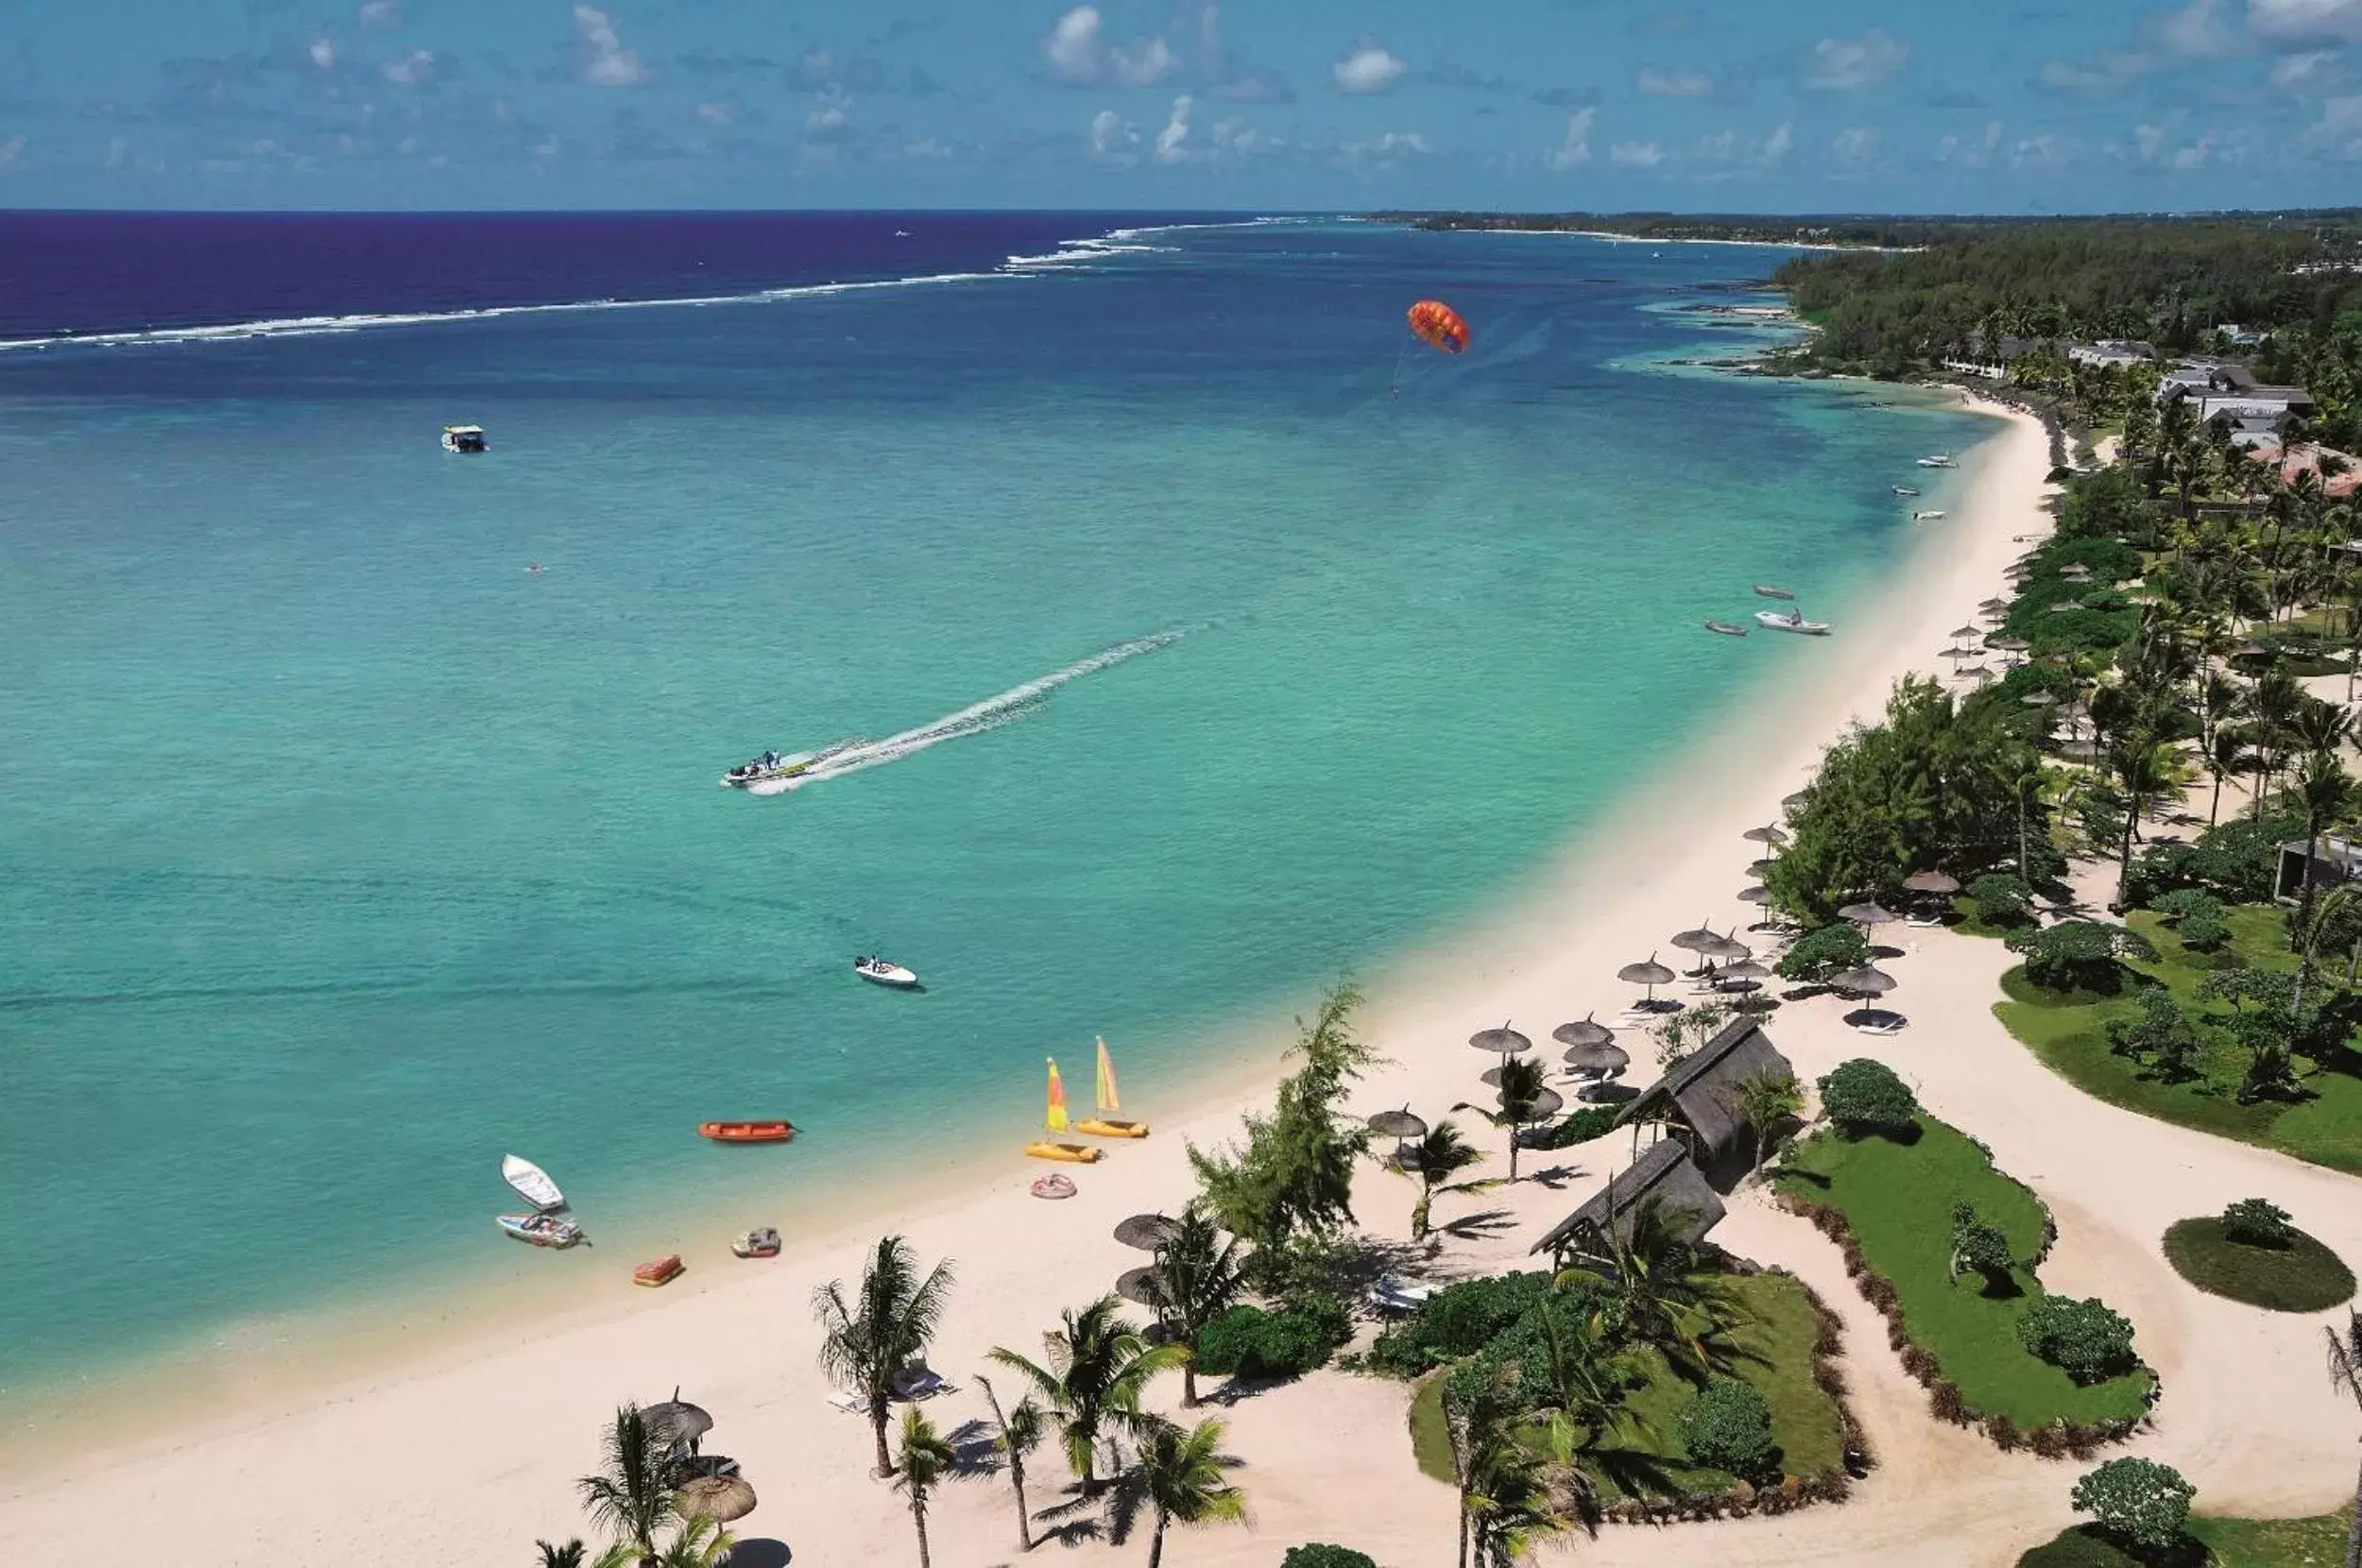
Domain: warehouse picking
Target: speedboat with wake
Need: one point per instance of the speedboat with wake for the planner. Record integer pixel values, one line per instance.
(765, 768)
(540, 1230)
(1791, 621)
(885, 972)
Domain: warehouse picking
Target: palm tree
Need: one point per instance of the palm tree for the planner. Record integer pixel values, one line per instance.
(2327, 792)
(698, 1543)
(923, 1460)
(868, 1344)
(1764, 1100)
(1200, 1276)
(2143, 767)
(568, 1556)
(1649, 1282)
(1097, 1365)
(2273, 704)
(1523, 1081)
(1435, 1159)
(2225, 753)
(1504, 1503)
(1181, 1475)
(2345, 1376)
(1016, 1432)
(631, 1496)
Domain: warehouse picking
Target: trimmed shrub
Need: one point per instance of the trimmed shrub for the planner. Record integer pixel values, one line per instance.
(1998, 898)
(2235, 860)
(2205, 935)
(1817, 955)
(1581, 1126)
(2187, 903)
(2259, 1222)
(2138, 1501)
(1863, 1096)
(2080, 955)
(2087, 1339)
(1728, 1426)
(1252, 1344)
(1979, 1248)
(1316, 1555)
(1458, 1320)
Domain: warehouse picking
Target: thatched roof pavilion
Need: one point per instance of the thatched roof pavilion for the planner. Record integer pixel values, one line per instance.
(1699, 1095)
(1663, 1172)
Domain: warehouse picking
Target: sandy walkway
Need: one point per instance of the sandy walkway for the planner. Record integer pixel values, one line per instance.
(465, 1457)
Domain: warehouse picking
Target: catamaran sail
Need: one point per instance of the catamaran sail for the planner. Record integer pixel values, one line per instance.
(1106, 1095)
(532, 1182)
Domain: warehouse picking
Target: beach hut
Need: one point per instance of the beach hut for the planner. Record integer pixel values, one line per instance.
(1663, 1173)
(1699, 1095)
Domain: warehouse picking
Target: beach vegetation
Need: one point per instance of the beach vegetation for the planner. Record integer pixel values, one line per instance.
(1457, 1320)
(1293, 1175)
(2138, 1501)
(1645, 1274)
(1681, 1035)
(555, 1554)
(2000, 901)
(921, 1461)
(2294, 1274)
(1580, 1125)
(2084, 956)
(1181, 1476)
(1258, 1344)
(1505, 1502)
(2345, 1380)
(1824, 952)
(1769, 1101)
(1095, 1366)
(1018, 1430)
(1320, 1555)
(1523, 1081)
(1200, 1276)
(1898, 1197)
(2219, 1041)
(1864, 1097)
(2258, 1222)
(1728, 1426)
(1434, 1160)
(2319, 1542)
(697, 1544)
(631, 1494)
(1980, 1249)
(2083, 1338)
(2235, 862)
(871, 1339)
(1933, 786)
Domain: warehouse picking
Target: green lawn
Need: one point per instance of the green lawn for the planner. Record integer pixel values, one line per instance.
(2070, 1035)
(2316, 1543)
(1898, 1197)
(1774, 1339)
(1774, 1336)
(2303, 1277)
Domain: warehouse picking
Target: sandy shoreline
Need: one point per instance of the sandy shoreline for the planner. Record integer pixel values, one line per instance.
(493, 1428)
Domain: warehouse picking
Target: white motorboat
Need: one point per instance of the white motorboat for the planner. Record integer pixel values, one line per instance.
(1791, 621)
(1927, 516)
(882, 971)
(769, 765)
(1941, 460)
(1904, 490)
(540, 1230)
(532, 1182)
(464, 439)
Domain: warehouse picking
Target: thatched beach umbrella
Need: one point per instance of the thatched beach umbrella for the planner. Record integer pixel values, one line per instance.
(1544, 1105)
(1649, 972)
(2008, 644)
(1931, 881)
(1729, 950)
(1956, 653)
(1867, 912)
(1396, 1124)
(1144, 1285)
(1747, 969)
(1584, 1032)
(720, 1498)
(1503, 1041)
(1599, 1059)
(1790, 804)
(1148, 1232)
(1771, 836)
(1760, 869)
(1962, 634)
(679, 1419)
(1992, 607)
(1755, 895)
(1696, 938)
(1865, 982)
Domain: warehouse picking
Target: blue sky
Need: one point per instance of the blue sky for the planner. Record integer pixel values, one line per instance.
(1728, 105)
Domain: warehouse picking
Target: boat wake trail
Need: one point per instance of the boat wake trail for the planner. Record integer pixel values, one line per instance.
(844, 757)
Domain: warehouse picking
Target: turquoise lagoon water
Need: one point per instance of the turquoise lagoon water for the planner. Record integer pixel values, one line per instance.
(343, 853)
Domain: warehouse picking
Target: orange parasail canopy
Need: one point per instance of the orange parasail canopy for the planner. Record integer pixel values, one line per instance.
(1439, 326)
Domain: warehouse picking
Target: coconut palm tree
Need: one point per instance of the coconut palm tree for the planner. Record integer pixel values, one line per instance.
(2327, 792)
(1200, 1276)
(1764, 1100)
(2345, 1376)
(1434, 1160)
(922, 1459)
(870, 1341)
(1523, 1081)
(1504, 1502)
(1016, 1432)
(1646, 1269)
(1182, 1477)
(698, 1543)
(567, 1555)
(2143, 768)
(631, 1496)
(2226, 752)
(1095, 1366)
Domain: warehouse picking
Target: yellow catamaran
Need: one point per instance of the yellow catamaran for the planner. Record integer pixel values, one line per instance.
(1054, 1118)
(1103, 1125)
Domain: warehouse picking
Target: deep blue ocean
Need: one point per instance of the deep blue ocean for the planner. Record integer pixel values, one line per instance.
(1219, 643)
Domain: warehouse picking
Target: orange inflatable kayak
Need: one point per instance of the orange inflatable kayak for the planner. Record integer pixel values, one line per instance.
(747, 1131)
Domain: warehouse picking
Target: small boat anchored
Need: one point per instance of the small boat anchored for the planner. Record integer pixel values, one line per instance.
(1725, 628)
(1791, 621)
(464, 439)
(1940, 460)
(544, 1226)
(1928, 516)
(1765, 590)
(885, 972)
(763, 1241)
(532, 1182)
(1904, 490)
(539, 1229)
(748, 1131)
(762, 769)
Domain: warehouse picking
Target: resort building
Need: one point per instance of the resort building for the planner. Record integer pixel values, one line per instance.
(2340, 472)
(2335, 859)
(1663, 1173)
(2110, 353)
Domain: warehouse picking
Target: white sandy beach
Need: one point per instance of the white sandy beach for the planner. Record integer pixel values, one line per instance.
(465, 1455)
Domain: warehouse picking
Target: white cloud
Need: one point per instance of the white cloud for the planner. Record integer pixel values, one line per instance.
(1113, 138)
(1234, 135)
(1843, 63)
(2339, 129)
(379, 13)
(1392, 145)
(717, 113)
(2149, 141)
(2297, 23)
(118, 153)
(2193, 156)
(2294, 73)
(1079, 55)
(1735, 150)
(1576, 148)
(605, 60)
(2039, 152)
(323, 52)
(2104, 72)
(1635, 155)
(1855, 146)
(415, 69)
(1172, 142)
(1775, 148)
(828, 112)
(1676, 83)
(1367, 68)
(2195, 30)
(11, 152)
(1969, 154)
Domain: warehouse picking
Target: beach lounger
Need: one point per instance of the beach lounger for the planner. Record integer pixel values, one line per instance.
(920, 1381)
(1402, 1297)
(850, 1404)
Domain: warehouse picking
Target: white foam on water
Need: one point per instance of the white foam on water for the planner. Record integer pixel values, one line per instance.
(845, 757)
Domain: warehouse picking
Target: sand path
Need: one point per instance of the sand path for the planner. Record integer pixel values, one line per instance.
(466, 1455)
